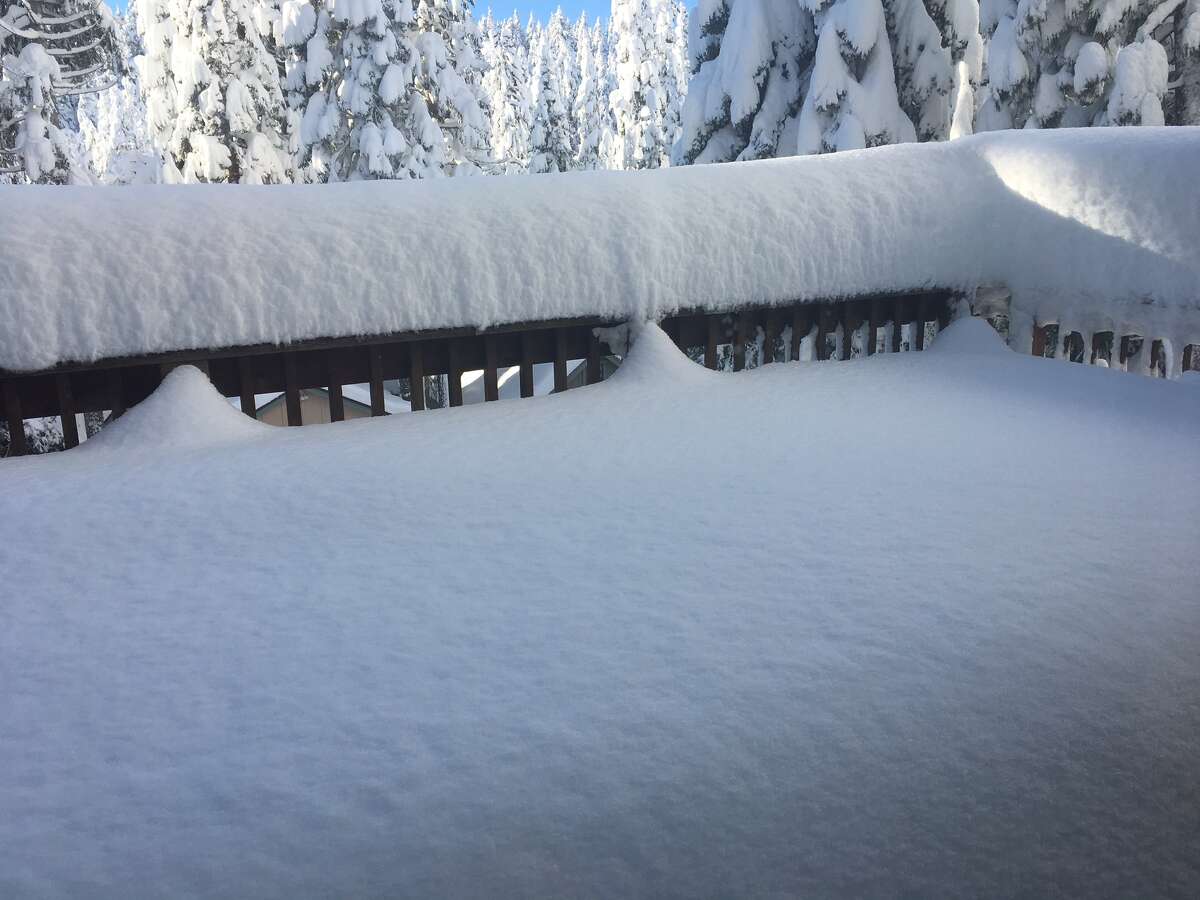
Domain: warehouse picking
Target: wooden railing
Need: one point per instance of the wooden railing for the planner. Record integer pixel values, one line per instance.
(713, 338)
(1141, 352)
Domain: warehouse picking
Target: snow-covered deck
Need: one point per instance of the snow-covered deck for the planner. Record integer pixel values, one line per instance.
(920, 624)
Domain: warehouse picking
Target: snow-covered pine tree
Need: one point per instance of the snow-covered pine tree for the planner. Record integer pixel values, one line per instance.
(1060, 63)
(590, 113)
(1186, 42)
(448, 79)
(852, 100)
(551, 129)
(672, 32)
(640, 32)
(506, 89)
(388, 88)
(749, 60)
(48, 49)
(939, 63)
(113, 122)
(156, 29)
(813, 76)
(229, 112)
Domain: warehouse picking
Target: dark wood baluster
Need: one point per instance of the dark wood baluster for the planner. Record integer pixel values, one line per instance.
(375, 364)
(799, 331)
(922, 317)
(874, 320)
(1158, 360)
(1039, 340)
(456, 373)
(291, 389)
(491, 375)
(739, 342)
(849, 323)
(595, 366)
(712, 327)
(560, 360)
(526, 364)
(416, 376)
(246, 386)
(116, 394)
(16, 421)
(66, 410)
(337, 403)
(825, 327)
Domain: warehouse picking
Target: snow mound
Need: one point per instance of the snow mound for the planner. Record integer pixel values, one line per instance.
(186, 411)
(1107, 237)
(969, 336)
(883, 628)
(654, 360)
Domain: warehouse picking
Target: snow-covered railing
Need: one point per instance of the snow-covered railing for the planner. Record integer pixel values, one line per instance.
(745, 338)
(281, 288)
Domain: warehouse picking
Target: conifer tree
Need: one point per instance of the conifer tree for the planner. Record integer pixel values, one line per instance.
(113, 122)
(591, 115)
(551, 129)
(388, 88)
(749, 62)
(213, 91)
(506, 88)
(48, 49)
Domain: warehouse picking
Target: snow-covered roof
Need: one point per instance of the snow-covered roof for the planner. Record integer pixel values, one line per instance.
(1076, 219)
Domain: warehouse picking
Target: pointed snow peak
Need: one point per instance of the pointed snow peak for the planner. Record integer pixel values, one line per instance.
(969, 337)
(653, 359)
(184, 413)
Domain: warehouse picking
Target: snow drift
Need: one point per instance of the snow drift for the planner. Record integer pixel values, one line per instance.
(922, 625)
(184, 412)
(1097, 223)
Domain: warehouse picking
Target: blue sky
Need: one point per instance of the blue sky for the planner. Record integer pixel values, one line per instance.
(542, 9)
(504, 8)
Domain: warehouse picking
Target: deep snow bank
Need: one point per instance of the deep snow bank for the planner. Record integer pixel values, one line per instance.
(916, 625)
(1098, 219)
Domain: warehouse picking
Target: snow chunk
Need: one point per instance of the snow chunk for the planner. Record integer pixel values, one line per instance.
(184, 413)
